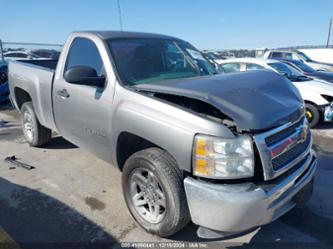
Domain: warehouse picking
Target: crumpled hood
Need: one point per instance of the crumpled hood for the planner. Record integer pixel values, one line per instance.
(255, 100)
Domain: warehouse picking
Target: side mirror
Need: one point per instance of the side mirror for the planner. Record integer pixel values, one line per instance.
(83, 75)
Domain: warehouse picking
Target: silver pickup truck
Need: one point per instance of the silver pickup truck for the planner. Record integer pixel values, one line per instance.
(229, 152)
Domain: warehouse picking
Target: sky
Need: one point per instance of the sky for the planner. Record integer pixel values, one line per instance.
(207, 24)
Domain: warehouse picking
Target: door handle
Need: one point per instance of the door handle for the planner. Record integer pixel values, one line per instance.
(63, 93)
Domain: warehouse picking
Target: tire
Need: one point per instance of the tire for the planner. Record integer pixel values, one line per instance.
(175, 214)
(312, 114)
(35, 134)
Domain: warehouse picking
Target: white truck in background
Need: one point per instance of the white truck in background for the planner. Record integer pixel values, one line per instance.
(298, 55)
(324, 55)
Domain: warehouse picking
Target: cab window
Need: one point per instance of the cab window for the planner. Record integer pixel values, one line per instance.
(296, 57)
(288, 56)
(84, 52)
(276, 55)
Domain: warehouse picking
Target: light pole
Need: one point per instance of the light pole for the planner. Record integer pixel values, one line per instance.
(329, 33)
(120, 17)
(1, 51)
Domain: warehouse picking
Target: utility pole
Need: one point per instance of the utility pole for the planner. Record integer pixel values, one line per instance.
(329, 33)
(1, 51)
(120, 17)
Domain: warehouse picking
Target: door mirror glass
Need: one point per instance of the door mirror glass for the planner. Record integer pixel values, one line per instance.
(84, 75)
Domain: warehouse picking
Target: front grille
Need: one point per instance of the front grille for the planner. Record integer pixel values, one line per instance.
(292, 170)
(3, 95)
(273, 139)
(281, 148)
(282, 160)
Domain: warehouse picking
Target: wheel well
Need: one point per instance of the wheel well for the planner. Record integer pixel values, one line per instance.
(320, 110)
(21, 96)
(309, 102)
(128, 144)
(315, 105)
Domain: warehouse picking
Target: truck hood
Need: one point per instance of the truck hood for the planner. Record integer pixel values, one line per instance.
(255, 100)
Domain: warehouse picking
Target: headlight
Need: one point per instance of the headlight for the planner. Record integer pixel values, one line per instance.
(220, 158)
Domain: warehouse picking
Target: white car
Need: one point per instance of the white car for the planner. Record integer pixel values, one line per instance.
(317, 94)
(21, 55)
(298, 55)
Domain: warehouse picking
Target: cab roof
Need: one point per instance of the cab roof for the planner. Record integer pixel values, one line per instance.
(106, 35)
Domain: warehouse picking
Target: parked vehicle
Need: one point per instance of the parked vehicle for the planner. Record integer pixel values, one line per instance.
(47, 53)
(190, 144)
(21, 55)
(298, 55)
(317, 94)
(213, 57)
(4, 89)
(324, 55)
(309, 71)
(213, 62)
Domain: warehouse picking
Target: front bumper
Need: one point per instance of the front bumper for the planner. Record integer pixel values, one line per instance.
(328, 112)
(235, 208)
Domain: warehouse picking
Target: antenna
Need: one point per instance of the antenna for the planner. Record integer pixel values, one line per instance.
(119, 14)
(329, 33)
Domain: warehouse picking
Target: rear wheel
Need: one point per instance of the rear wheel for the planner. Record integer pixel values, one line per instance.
(35, 134)
(154, 193)
(312, 114)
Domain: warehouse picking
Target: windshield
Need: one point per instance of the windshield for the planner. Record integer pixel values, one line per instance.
(304, 56)
(287, 70)
(212, 56)
(145, 61)
(303, 66)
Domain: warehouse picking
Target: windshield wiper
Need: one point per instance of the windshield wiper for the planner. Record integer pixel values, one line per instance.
(297, 78)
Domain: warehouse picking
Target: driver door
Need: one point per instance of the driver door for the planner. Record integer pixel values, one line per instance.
(82, 112)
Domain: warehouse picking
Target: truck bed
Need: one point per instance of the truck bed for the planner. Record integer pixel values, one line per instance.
(34, 77)
(49, 64)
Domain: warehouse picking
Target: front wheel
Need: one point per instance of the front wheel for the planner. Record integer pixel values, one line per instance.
(312, 115)
(154, 193)
(35, 134)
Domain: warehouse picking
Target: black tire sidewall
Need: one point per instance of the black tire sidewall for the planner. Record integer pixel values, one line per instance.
(28, 107)
(163, 227)
(315, 114)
